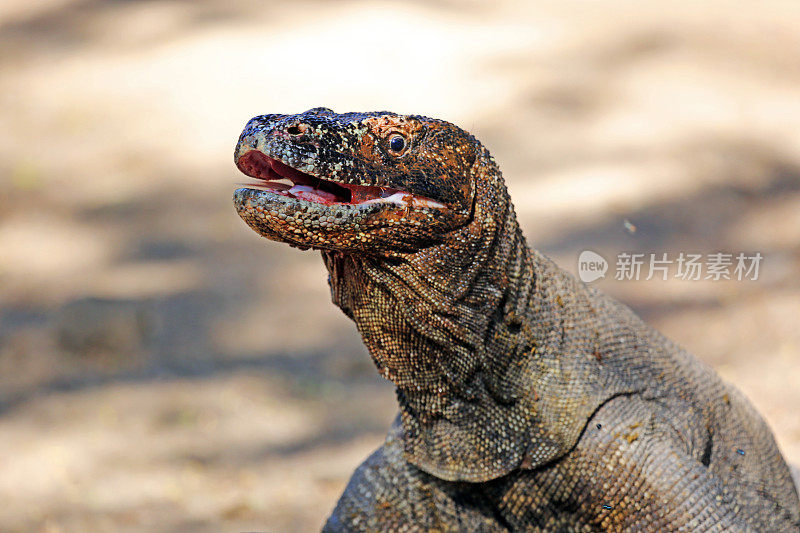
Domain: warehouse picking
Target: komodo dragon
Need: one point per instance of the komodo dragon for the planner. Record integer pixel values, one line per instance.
(528, 401)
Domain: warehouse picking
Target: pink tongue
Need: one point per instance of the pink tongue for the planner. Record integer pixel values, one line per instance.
(305, 192)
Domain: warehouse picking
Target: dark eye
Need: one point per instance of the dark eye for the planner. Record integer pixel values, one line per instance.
(397, 143)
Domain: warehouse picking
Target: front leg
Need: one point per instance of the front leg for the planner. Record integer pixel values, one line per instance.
(388, 494)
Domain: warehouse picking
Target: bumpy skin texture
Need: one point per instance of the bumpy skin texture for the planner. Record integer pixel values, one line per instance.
(528, 401)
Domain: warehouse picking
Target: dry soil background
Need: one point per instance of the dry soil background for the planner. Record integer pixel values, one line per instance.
(163, 368)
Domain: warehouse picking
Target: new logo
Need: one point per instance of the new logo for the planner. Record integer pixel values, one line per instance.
(591, 266)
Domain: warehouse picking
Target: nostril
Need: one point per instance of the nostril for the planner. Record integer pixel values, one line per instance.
(297, 129)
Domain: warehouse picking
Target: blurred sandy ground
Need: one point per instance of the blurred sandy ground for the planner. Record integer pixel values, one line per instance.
(161, 367)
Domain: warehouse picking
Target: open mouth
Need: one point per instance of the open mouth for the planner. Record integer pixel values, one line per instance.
(281, 179)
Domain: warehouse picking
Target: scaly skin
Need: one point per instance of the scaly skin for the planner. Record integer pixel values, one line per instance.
(528, 401)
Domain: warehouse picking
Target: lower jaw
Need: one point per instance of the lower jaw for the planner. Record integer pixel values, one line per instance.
(272, 214)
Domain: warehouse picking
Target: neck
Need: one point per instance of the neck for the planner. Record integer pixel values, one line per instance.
(440, 321)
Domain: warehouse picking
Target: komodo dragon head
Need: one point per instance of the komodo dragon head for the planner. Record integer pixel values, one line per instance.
(376, 183)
